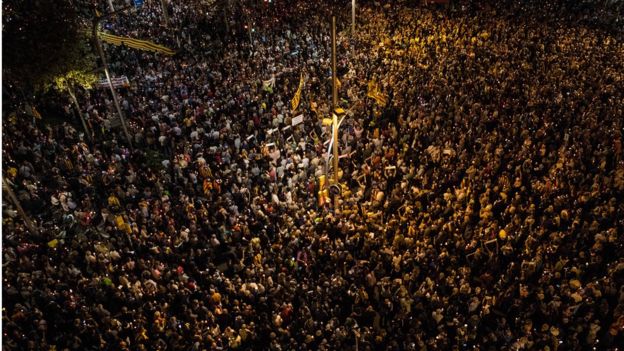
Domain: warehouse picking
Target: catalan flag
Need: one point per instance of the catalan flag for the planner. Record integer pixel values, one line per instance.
(135, 43)
(295, 101)
(374, 92)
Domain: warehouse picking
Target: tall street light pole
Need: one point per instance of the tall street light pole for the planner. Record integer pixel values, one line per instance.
(352, 17)
(163, 4)
(98, 44)
(334, 106)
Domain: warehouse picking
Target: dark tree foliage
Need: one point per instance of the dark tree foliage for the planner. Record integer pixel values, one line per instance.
(42, 39)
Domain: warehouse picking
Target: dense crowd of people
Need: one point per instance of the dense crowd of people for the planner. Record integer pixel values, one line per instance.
(481, 206)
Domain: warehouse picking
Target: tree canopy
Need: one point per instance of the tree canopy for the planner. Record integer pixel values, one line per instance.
(43, 40)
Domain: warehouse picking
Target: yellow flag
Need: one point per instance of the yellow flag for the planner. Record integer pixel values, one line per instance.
(323, 197)
(297, 98)
(374, 92)
(371, 88)
(322, 179)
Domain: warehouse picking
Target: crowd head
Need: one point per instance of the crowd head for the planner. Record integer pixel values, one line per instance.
(480, 201)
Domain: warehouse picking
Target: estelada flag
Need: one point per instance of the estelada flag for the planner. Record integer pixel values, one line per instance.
(297, 98)
(374, 92)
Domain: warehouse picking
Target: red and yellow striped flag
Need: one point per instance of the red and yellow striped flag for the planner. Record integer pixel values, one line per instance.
(374, 92)
(295, 101)
(135, 43)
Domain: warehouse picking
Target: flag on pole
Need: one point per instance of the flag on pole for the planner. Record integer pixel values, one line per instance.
(135, 43)
(374, 92)
(295, 101)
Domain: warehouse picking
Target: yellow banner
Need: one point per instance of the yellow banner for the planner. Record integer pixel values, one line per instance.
(135, 43)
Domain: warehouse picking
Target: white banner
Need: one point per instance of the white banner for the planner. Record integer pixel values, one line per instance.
(118, 82)
(297, 120)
